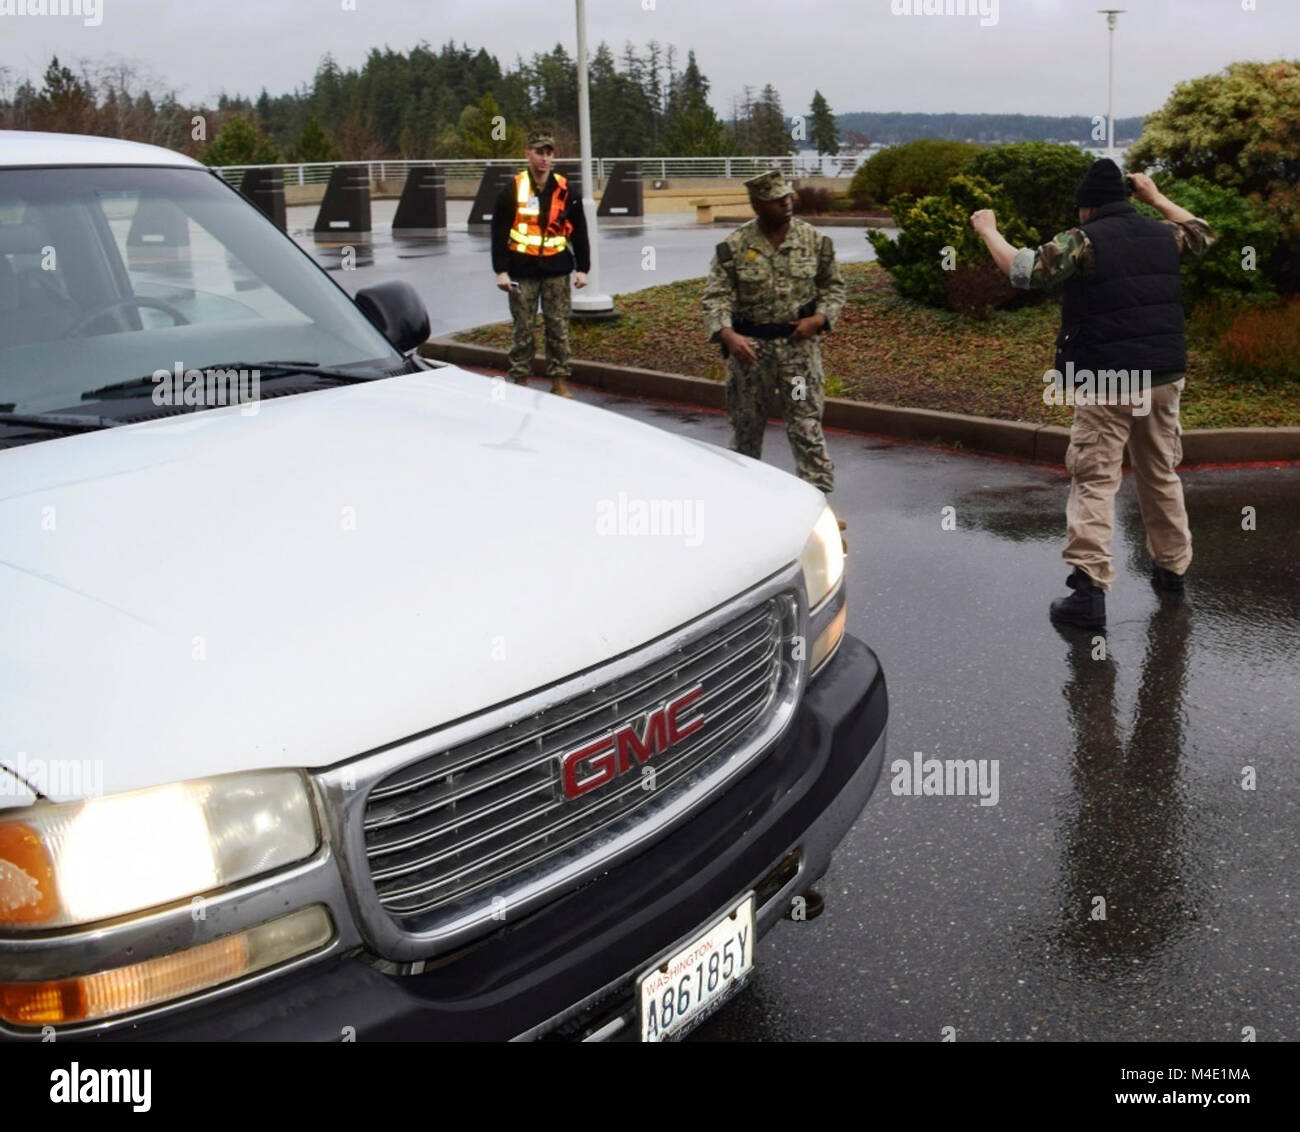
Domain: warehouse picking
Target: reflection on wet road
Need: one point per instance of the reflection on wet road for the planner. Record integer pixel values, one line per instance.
(1122, 764)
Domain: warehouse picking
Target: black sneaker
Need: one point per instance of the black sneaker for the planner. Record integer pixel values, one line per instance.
(1166, 581)
(1085, 608)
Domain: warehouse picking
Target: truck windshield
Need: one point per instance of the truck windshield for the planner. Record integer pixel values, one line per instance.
(112, 274)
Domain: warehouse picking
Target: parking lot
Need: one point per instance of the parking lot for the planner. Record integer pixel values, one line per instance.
(1119, 778)
(454, 274)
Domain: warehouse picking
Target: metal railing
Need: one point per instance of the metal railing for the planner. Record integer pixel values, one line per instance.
(652, 168)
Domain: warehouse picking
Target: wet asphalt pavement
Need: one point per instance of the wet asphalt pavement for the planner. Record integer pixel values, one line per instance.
(1119, 777)
(453, 275)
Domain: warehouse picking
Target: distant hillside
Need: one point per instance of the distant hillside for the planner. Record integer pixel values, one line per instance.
(890, 128)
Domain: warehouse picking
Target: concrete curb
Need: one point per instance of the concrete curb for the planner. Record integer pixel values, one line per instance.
(1018, 439)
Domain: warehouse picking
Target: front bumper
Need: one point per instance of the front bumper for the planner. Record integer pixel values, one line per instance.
(568, 970)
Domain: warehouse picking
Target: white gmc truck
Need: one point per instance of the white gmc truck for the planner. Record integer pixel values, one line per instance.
(347, 694)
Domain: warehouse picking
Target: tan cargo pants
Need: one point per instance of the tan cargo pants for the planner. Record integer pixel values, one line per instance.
(1094, 461)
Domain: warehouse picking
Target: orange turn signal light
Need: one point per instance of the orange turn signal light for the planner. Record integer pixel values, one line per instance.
(104, 994)
(27, 890)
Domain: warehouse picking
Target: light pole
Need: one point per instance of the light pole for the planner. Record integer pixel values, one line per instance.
(1110, 14)
(591, 303)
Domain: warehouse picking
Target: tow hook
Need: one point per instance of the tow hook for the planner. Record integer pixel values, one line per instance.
(806, 906)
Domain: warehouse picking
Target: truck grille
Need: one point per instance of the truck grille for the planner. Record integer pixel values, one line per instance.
(465, 820)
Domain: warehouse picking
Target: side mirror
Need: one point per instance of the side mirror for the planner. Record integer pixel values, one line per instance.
(396, 311)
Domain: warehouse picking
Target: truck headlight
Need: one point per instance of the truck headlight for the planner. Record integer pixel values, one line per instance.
(823, 569)
(75, 863)
(822, 559)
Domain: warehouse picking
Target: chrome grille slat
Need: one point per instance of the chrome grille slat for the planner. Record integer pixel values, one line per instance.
(466, 820)
(439, 826)
(766, 617)
(530, 762)
(479, 837)
(612, 815)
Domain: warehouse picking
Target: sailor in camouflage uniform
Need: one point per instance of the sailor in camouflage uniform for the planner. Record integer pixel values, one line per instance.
(773, 287)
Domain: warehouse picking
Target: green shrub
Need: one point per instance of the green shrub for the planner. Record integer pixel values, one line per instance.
(1039, 178)
(1239, 224)
(917, 169)
(1239, 129)
(927, 226)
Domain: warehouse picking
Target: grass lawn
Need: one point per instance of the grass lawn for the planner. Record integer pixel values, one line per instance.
(899, 352)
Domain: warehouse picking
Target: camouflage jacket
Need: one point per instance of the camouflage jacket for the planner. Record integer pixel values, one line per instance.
(1070, 251)
(773, 283)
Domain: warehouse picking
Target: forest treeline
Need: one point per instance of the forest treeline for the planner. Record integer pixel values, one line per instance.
(457, 101)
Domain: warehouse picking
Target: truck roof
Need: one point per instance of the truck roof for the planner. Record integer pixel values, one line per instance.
(28, 147)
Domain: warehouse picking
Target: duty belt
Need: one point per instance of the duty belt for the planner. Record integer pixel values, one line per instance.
(769, 330)
(765, 330)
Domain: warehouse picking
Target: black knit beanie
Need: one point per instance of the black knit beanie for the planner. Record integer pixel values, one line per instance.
(1102, 184)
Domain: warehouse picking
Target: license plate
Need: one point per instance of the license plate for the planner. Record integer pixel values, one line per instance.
(689, 985)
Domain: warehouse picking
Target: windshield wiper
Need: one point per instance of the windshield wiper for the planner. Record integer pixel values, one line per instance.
(264, 369)
(61, 422)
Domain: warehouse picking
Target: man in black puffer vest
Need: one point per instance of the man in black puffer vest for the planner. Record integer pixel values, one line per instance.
(1121, 361)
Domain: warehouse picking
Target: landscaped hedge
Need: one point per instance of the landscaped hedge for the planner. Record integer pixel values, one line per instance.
(1039, 179)
(963, 278)
(915, 169)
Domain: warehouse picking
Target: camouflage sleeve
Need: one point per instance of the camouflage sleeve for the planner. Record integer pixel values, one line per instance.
(831, 289)
(1194, 236)
(1035, 269)
(717, 301)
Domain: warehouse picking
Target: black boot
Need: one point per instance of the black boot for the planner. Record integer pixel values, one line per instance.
(1167, 582)
(1085, 608)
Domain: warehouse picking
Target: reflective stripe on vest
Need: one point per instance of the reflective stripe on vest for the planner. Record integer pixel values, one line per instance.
(526, 234)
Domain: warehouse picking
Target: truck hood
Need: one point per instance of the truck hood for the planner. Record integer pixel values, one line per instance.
(300, 581)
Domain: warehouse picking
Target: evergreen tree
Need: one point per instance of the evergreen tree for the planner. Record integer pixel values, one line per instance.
(654, 93)
(823, 133)
(313, 143)
(769, 136)
(240, 142)
(485, 133)
(691, 128)
(64, 105)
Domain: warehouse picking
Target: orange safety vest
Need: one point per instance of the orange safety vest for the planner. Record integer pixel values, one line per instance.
(526, 235)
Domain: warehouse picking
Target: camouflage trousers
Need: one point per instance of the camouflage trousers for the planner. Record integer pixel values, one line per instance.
(794, 370)
(553, 291)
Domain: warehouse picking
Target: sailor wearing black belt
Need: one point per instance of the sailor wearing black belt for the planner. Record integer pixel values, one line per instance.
(774, 287)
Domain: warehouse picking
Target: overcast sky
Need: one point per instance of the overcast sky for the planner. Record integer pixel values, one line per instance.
(1038, 56)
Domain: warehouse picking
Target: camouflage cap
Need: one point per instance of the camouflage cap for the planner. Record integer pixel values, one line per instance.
(768, 186)
(539, 138)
